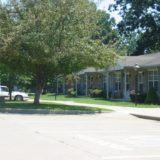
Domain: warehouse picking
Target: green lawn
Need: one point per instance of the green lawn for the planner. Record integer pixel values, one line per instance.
(95, 101)
(57, 107)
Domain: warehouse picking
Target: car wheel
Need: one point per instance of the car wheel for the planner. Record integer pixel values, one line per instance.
(18, 98)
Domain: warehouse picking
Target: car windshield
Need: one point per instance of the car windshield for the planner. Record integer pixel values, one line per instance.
(4, 89)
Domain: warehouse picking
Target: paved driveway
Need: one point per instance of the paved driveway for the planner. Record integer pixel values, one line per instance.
(111, 136)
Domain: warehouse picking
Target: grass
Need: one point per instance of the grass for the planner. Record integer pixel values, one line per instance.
(56, 107)
(101, 101)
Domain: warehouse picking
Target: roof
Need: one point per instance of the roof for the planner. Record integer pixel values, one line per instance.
(148, 60)
(91, 70)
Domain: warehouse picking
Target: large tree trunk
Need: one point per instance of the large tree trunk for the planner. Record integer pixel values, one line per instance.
(10, 84)
(39, 88)
(10, 95)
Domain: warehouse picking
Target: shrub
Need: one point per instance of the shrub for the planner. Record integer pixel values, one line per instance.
(71, 92)
(140, 97)
(152, 97)
(96, 92)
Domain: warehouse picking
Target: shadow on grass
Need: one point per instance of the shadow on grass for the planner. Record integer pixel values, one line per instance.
(93, 100)
(44, 108)
(65, 96)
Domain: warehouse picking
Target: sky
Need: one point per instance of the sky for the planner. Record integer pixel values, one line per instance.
(104, 4)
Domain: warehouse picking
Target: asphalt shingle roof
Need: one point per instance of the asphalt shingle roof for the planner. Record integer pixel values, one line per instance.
(148, 60)
(91, 70)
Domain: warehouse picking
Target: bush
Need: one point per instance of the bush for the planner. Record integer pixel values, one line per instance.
(71, 92)
(96, 93)
(152, 97)
(140, 97)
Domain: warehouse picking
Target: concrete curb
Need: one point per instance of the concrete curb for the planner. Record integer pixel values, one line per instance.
(46, 111)
(146, 117)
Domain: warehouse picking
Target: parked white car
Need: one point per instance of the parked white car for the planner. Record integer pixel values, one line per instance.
(16, 95)
(4, 92)
(19, 96)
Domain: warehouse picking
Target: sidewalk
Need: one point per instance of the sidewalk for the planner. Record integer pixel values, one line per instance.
(147, 113)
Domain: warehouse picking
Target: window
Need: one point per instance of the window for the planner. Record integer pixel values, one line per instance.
(140, 82)
(153, 79)
(4, 89)
(118, 82)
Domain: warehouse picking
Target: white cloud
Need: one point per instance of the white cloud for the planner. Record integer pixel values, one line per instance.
(104, 5)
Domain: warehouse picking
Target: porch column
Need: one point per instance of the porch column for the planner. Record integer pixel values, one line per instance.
(125, 84)
(76, 87)
(86, 84)
(159, 80)
(57, 87)
(107, 85)
(64, 87)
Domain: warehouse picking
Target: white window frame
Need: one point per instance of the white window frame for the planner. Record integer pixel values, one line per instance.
(153, 80)
(118, 81)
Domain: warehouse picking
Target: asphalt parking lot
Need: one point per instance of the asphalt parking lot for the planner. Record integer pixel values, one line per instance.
(109, 136)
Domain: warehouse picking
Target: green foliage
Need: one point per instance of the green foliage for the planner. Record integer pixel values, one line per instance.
(9, 41)
(140, 97)
(56, 107)
(141, 19)
(106, 33)
(45, 38)
(96, 92)
(152, 97)
(71, 92)
(72, 77)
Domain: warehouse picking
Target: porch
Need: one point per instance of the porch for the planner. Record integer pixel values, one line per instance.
(123, 82)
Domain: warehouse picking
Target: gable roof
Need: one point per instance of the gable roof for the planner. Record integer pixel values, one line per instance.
(144, 61)
(90, 70)
(149, 60)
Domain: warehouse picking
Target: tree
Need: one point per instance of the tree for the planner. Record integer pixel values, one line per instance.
(12, 79)
(55, 37)
(9, 80)
(10, 60)
(140, 18)
(106, 32)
